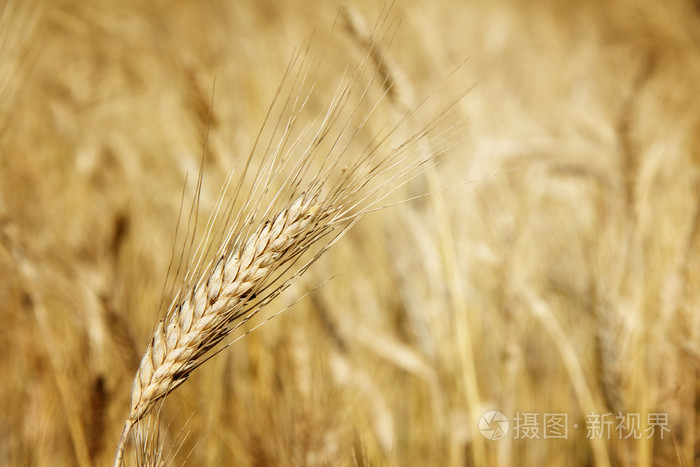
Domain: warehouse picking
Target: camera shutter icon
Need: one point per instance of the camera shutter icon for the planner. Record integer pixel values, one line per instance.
(494, 425)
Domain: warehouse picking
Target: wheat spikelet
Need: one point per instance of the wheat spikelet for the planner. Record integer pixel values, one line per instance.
(250, 266)
(326, 195)
(217, 305)
(210, 310)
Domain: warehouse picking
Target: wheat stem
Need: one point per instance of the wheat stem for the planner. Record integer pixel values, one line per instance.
(119, 456)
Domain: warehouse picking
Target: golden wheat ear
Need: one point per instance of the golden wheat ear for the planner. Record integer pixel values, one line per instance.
(184, 339)
(329, 180)
(210, 311)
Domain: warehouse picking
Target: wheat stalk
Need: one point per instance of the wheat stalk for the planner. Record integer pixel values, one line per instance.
(252, 267)
(247, 275)
(206, 316)
(214, 307)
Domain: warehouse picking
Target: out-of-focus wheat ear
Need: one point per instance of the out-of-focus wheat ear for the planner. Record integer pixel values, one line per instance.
(32, 277)
(607, 357)
(588, 404)
(393, 79)
(18, 22)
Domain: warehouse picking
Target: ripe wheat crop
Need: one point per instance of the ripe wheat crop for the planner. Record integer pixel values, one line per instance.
(203, 261)
(327, 183)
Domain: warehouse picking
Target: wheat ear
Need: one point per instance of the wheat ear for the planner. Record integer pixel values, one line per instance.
(213, 308)
(253, 266)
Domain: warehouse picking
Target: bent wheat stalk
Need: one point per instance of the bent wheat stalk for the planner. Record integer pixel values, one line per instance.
(206, 316)
(183, 339)
(320, 198)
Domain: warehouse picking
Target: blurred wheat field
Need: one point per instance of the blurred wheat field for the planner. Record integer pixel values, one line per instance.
(570, 285)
